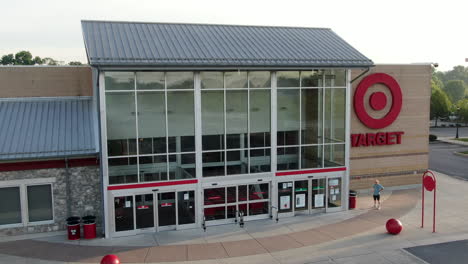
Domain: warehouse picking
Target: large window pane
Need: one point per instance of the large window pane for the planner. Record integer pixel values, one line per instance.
(288, 116)
(236, 117)
(260, 160)
(236, 162)
(153, 168)
(40, 203)
(151, 121)
(180, 117)
(311, 115)
(312, 78)
(179, 80)
(287, 78)
(182, 166)
(215, 196)
(334, 155)
(212, 80)
(213, 164)
(150, 80)
(119, 80)
(237, 79)
(311, 157)
(335, 115)
(121, 126)
(212, 119)
(287, 158)
(260, 117)
(10, 206)
(123, 170)
(258, 191)
(335, 78)
(259, 79)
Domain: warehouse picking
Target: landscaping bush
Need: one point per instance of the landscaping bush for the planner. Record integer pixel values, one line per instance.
(432, 137)
(443, 125)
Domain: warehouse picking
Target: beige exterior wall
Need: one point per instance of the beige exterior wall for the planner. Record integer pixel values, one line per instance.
(43, 81)
(402, 164)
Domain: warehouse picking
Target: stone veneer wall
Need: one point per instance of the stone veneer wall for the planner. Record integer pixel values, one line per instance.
(85, 197)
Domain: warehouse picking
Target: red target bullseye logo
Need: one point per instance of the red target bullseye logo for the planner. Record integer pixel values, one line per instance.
(378, 100)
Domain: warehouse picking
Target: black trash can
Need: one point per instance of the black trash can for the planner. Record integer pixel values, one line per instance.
(352, 199)
(89, 226)
(73, 228)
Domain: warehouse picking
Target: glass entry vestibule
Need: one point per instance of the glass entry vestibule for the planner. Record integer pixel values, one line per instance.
(225, 204)
(310, 195)
(154, 211)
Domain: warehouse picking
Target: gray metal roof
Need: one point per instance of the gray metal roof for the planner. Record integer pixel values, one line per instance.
(200, 45)
(45, 128)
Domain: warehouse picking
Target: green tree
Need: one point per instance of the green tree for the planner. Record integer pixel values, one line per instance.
(50, 61)
(455, 89)
(38, 60)
(8, 59)
(440, 103)
(457, 73)
(463, 110)
(75, 63)
(24, 58)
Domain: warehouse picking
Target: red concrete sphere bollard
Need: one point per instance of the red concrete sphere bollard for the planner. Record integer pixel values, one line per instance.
(394, 226)
(110, 259)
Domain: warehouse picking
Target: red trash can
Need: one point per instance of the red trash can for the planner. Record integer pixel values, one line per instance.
(89, 227)
(352, 199)
(73, 228)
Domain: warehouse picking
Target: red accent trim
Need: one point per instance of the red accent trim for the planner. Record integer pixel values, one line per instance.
(309, 171)
(146, 185)
(48, 164)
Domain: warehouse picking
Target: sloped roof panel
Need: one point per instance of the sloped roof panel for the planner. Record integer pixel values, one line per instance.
(200, 45)
(44, 128)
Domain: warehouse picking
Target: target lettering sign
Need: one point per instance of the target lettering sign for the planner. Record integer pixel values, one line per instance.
(378, 102)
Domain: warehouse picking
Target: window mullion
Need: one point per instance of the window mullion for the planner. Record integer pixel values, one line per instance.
(167, 128)
(24, 205)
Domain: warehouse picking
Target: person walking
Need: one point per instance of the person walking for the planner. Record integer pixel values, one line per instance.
(377, 189)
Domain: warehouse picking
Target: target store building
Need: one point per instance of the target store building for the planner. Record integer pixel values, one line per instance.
(202, 125)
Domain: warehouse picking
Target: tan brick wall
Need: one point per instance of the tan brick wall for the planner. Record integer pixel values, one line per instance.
(402, 164)
(39, 81)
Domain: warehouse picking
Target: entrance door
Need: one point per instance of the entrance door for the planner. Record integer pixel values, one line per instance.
(302, 196)
(334, 194)
(144, 211)
(147, 212)
(166, 210)
(176, 210)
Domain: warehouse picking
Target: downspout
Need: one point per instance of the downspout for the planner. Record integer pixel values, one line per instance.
(101, 168)
(68, 187)
(360, 75)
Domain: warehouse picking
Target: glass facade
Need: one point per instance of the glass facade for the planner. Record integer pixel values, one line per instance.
(311, 118)
(235, 113)
(150, 126)
(151, 123)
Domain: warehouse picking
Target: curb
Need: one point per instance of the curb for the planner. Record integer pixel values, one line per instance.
(460, 154)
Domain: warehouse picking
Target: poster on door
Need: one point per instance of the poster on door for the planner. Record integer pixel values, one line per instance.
(318, 200)
(300, 200)
(285, 202)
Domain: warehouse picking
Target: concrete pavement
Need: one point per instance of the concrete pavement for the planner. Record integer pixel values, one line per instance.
(355, 237)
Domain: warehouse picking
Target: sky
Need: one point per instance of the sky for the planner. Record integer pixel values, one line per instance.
(398, 31)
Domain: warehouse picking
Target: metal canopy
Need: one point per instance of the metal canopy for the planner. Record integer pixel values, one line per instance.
(135, 44)
(46, 128)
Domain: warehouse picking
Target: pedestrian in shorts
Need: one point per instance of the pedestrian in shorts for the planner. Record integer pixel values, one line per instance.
(377, 189)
